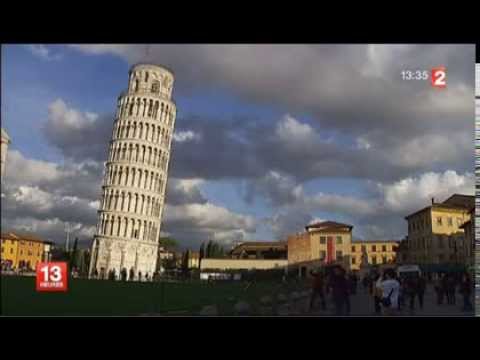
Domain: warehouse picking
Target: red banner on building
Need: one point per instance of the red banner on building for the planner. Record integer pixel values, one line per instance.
(330, 249)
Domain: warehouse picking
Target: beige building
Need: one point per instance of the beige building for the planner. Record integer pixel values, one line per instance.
(260, 250)
(373, 252)
(322, 243)
(469, 230)
(242, 264)
(133, 191)
(4, 149)
(436, 234)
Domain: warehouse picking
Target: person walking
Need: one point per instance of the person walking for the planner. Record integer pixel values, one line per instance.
(421, 286)
(377, 293)
(338, 286)
(365, 283)
(390, 291)
(401, 295)
(354, 282)
(451, 285)
(440, 288)
(317, 289)
(411, 291)
(466, 287)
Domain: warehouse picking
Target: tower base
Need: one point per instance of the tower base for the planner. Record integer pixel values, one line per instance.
(112, 257)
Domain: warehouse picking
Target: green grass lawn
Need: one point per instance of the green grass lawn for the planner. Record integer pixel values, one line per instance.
(113, 298)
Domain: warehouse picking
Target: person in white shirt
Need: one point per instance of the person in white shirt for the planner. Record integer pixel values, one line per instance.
(390, 292)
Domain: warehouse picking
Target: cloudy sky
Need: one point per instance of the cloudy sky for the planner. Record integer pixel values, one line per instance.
(268, 137)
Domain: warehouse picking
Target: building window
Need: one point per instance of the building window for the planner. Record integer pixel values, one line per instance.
(29, 253)
(441, 258)
(374, 260)
(3, 249)
(450, 221)
(354, 260)
(11, 251)
(384, 259)
(339, 240)
(323, 239)
(323, 254)
(364, 248)
(374, 248)
(155, 86)
(384, 248)
(440, 242)
(339, 255)
(21, 252)
(353, 248)
(439, 220)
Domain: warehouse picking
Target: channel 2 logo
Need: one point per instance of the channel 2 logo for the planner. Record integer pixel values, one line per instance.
(52, 276)
(439, 77)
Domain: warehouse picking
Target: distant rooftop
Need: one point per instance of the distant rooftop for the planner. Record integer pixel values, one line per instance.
(15, 235)
(328, 225)
(456, 201)
(358, 241)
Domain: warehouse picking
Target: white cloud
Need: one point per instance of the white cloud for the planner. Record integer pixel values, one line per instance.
(290, 130)
(416, 192)
(29, 171)
(381, 58)
(363, 143)
(209, 216)
(60, 115)
(181, 136)
(43, 52)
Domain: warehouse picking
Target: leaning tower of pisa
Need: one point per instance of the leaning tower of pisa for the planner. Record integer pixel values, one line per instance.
(133, 191)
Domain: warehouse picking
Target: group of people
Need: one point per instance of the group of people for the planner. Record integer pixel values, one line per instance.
(338, 284)
(396, 290)
(446, 286)
(391, 293)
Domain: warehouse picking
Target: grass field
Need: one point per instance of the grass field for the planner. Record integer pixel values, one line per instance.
(114, 298)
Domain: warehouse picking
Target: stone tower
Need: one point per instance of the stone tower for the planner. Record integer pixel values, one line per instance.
(4, 149)
(133, 191)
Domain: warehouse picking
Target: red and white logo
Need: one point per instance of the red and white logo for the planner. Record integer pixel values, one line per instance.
(439, 77)
(52, 276)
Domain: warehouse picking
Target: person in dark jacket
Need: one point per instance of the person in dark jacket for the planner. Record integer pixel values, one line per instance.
(451, 285)
(377, 294)
(317, 289)
(421, 286)
(440, 288)
(466, 286)
(353, 282)
(339, 288)
(411, 290)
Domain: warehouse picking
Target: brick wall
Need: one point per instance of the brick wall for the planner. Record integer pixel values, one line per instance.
(299, 249)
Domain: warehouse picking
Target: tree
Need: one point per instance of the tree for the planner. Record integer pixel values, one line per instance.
(73, 255)
(209, 249)
(202, 251)
(214, 250)
(168, 243)
(186, 256)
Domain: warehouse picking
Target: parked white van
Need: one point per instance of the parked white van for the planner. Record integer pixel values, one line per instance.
(408, 270)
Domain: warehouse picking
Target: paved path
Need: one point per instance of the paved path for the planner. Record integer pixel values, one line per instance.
(362, 305)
